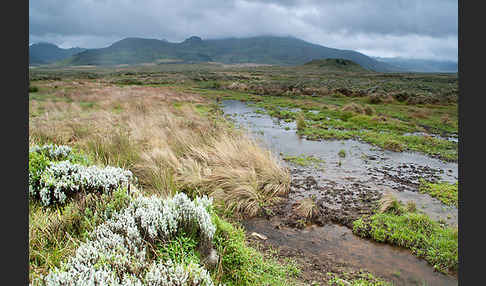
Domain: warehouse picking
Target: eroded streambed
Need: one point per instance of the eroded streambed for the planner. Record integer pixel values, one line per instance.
(345, 188)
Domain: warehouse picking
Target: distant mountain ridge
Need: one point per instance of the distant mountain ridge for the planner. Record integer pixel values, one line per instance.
(46, 53)
(262, 50)
(421, 65)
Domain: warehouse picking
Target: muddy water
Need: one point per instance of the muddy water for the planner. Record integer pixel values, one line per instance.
(337, 243)
(365, 165)
(344, 184)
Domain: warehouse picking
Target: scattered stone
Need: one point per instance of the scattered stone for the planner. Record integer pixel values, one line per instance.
(259, 236)
(212, 259)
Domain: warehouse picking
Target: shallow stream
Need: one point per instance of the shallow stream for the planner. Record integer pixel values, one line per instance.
(365, 169)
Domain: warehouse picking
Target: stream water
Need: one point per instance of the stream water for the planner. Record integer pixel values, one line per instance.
(364, 170)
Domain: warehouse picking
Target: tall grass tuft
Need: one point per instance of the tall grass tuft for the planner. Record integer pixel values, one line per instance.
(300, 121)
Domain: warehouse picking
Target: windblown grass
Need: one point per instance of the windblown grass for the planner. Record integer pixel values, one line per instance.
(168, 148)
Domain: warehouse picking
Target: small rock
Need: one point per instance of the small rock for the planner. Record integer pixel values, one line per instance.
(211, 261)
(259, 236)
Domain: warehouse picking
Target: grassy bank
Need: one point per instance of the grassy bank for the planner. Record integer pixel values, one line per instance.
(443, 191)
(401, 226)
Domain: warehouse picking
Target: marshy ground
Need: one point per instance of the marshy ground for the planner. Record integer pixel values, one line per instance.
(314, 160)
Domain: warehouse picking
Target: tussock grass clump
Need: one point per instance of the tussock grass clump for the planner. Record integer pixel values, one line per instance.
(389, 204)
(445, 119)
(117, 149)
(353, 107)
(300, 121)
(393, 145)
(230, 167)
(369, 110)
(375, 98)
(420, 113)
(306, 208)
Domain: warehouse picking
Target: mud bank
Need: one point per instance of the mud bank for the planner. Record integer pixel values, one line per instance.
(335, 248)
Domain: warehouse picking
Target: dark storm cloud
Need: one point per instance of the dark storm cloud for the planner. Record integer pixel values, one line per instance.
(377, 28)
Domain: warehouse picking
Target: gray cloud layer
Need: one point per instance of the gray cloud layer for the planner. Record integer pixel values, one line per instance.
(411, 28)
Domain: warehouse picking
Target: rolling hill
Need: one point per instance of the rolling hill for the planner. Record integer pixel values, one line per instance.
(262, 49)
(335, 65)
(46, 53)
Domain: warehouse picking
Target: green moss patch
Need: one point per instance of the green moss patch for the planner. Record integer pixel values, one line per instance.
(428, 239)
(443, 191)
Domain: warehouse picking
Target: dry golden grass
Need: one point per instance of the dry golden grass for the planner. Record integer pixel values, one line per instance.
(389, 204)
(168, 148)
(353, 107)
(306, 208)
(420, 113)
(445, 119)
(385, 202)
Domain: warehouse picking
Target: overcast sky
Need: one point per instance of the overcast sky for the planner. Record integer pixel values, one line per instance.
(425, 29)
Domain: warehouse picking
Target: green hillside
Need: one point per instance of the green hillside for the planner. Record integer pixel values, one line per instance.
(263, 50)
(46, 53)
(335, 65)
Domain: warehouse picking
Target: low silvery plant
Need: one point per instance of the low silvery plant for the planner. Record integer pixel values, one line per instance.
(63, 179)
(54, 152)
(116, 251)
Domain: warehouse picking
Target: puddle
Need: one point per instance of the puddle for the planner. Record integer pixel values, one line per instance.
(340, 245)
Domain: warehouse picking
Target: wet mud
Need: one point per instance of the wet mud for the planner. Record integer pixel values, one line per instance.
(342, 189)
(334, 248)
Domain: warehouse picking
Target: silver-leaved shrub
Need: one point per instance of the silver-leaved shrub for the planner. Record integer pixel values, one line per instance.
(54, 152)
(63, 179)
(116, 251)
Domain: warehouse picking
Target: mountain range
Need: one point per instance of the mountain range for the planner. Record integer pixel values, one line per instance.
(262, 49)
(421, 65)
(46, 53)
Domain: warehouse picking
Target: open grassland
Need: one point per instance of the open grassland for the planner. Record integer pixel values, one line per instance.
(163, 124)
(399, 112)
(172, 142)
